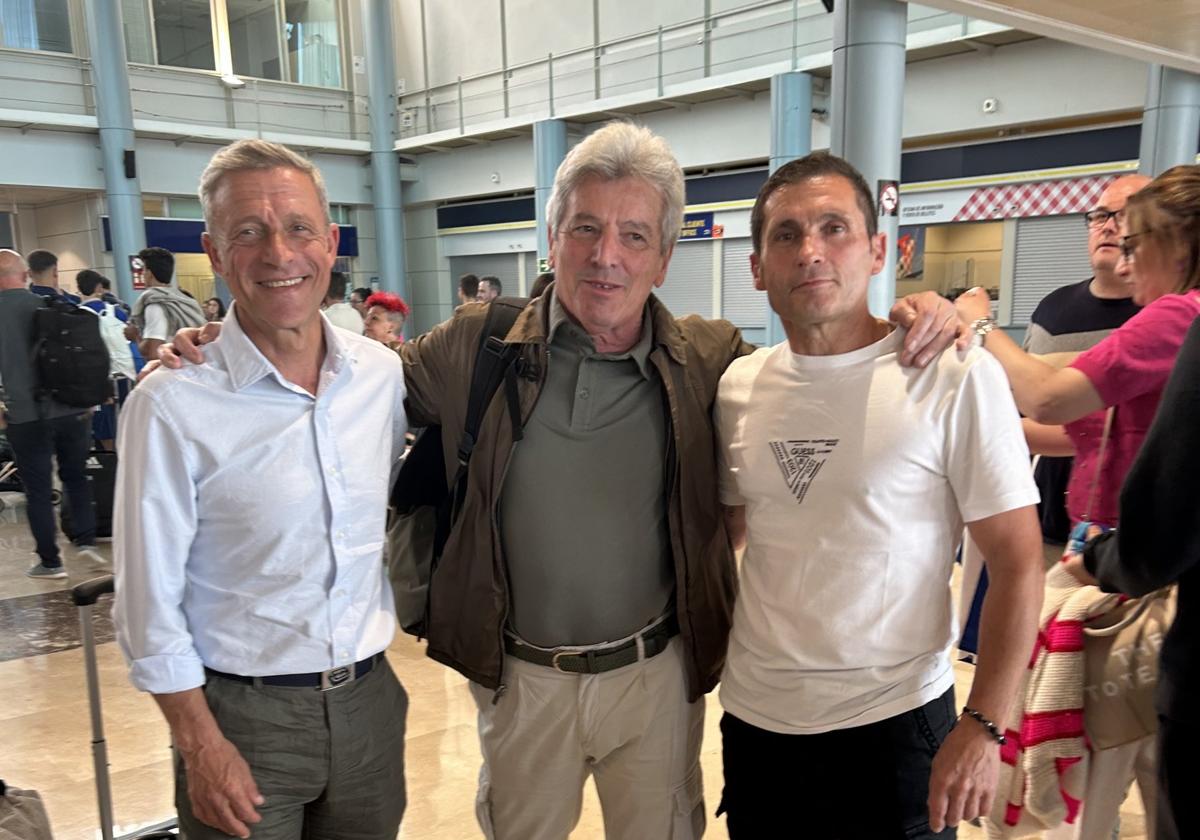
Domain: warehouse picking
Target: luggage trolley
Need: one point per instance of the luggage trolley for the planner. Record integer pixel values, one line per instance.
(85, 596)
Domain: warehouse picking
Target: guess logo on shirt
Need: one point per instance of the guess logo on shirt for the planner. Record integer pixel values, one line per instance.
(800, 461)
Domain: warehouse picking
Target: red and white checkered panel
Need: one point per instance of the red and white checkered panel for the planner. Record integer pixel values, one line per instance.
(1044, 198)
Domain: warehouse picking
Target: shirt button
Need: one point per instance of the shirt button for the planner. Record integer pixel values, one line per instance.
(584, 393)
(341, 593)
(341, 534)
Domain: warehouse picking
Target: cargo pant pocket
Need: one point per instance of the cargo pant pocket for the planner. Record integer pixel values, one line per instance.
(689, 820)
(483, 808)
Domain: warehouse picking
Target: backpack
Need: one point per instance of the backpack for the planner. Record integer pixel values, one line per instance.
(112, 330)
(70, 355)
(422, 508)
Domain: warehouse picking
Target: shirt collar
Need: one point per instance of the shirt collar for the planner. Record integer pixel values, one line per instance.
(246, 364)
(575, 334)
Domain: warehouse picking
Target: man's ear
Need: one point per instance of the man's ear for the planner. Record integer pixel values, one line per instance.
(756, 270)
(214, 256)
(878, 253)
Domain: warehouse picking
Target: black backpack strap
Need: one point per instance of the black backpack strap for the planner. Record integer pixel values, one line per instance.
(494, 361)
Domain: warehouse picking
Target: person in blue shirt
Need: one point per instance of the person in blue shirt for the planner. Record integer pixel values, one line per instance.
(124, 359)
(43, 276)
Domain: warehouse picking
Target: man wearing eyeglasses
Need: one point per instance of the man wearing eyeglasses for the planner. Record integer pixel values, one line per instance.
(1072, 319)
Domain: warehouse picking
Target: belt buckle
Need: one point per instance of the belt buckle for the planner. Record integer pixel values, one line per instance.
(337, 677)
(554, 660)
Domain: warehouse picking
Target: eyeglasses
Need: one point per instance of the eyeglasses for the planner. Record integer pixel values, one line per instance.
(1127, 248)
(1099, 218)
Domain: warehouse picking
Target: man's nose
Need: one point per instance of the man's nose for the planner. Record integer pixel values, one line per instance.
(277, 249)
(606, 248)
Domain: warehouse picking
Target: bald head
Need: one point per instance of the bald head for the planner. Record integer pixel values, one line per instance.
(1104, 240)
(12, 270)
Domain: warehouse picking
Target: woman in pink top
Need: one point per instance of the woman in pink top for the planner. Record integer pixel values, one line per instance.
(1127, 371)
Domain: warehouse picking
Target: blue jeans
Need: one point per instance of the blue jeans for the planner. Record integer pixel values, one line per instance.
(865, 782)
(67, 439)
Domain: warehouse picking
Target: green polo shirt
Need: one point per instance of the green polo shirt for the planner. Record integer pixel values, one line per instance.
(583, 511)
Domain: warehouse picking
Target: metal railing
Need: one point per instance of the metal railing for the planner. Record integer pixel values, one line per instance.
(772, 35)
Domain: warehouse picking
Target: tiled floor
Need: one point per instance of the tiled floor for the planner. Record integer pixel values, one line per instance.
(45, 735)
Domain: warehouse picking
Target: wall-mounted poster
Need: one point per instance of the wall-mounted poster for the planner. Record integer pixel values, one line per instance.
(910, 252)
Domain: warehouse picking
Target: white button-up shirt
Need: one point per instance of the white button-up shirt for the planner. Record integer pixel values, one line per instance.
(250, 515)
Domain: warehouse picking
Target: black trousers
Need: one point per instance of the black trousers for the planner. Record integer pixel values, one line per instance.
(37, 445)
(1178, 811)
(865, 783)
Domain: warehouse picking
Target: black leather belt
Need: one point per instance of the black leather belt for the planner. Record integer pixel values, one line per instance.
(597, 660)
(324, 680)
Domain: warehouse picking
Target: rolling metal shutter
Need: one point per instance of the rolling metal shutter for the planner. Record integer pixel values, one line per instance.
(1051, 251)
(688, 289)
(741, 304)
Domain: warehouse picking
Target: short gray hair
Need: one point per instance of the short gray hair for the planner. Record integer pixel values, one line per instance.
(255, 154)
(623, 150)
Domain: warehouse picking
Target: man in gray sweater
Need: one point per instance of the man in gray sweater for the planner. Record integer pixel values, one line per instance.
(40, 429)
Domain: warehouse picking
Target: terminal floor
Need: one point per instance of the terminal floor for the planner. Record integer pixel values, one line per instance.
(45, 736)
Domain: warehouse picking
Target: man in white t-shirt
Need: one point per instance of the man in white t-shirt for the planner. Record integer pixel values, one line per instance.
(850, 478)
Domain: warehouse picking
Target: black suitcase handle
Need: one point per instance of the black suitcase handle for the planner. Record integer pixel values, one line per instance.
(88, 592)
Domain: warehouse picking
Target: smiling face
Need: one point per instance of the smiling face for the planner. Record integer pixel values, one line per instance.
(816, 258)
(270, 240)
(607, 254)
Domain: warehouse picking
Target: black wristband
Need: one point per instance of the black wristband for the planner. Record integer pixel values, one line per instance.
(992, 729)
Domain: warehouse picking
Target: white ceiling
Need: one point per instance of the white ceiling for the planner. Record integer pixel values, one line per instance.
(1157, 31)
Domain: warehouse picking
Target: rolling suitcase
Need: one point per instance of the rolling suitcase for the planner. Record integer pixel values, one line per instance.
(101, 471)
(85, 596)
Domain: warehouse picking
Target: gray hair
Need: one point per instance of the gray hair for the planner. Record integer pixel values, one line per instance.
(255, 154)
(622, 150)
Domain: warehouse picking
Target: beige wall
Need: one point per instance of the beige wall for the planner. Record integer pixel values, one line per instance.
(959, 255)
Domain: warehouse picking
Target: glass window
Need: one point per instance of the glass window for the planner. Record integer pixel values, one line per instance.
(35, 25)
(7, 240)
(314, 48)
(340, 214)
(181, 207)
(139, 44)
(183, 30)
(254, 36)
(153, 207)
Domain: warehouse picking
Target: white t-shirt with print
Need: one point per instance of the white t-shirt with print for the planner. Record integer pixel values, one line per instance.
(857, 476)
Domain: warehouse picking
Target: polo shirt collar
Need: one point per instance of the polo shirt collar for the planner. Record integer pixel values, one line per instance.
(639, 352)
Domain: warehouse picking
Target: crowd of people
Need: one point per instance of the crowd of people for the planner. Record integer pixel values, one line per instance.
(587, 586)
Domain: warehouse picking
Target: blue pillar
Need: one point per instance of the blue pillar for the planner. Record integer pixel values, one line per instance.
(1171, 121)
(791, 138)
(866, 109)
(114, 114)
(385, 168)
(549, 149)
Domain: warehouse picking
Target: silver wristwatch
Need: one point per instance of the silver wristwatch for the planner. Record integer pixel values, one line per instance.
(982, 326)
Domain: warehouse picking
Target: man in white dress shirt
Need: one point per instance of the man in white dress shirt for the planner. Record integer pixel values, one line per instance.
(251, 596)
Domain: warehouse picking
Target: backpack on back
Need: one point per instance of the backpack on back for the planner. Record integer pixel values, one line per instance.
(70, 355)
(422, 509)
